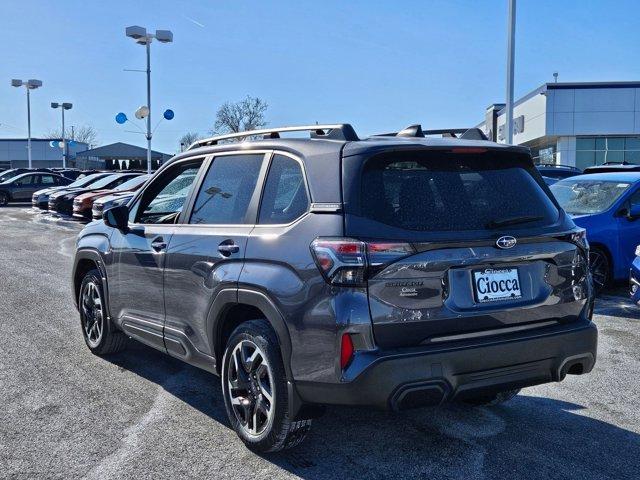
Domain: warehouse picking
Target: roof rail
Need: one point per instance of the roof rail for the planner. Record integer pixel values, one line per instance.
(417, 132)
(338, 131)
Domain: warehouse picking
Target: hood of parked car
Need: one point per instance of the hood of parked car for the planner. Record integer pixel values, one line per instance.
(92, 195)
(50, 190)
(115, 196)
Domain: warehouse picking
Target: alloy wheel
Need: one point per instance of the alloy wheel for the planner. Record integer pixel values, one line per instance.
(250, 387)
(599, 267)
(92, 314)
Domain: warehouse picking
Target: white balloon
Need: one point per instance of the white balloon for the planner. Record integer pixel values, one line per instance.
(142, 112)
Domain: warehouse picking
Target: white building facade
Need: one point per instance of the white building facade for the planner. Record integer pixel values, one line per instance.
(578, 124)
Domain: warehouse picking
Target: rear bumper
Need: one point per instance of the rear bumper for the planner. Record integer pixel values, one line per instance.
(431, 376)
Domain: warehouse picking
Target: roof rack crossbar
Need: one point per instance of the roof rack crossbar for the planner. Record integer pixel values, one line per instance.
(417, 132)
(338, 131)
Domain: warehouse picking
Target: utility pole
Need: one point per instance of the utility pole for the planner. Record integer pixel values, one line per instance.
(511, 45)
(149, 106)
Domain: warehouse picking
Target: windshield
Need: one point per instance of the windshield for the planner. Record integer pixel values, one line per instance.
(133, 183)
(443, 192)
(103, 182)
(584, 197)
(9, 174)
(84, 181)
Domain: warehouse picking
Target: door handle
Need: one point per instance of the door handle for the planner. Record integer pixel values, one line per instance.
(159, 245)
(227, 247)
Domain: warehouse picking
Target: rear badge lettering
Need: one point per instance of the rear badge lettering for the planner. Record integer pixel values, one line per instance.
(408, 292)
(407, 288)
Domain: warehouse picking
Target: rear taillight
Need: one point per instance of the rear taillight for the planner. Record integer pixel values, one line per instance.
(346, 351)
(349, 262)
(381, 254)
(342, 261)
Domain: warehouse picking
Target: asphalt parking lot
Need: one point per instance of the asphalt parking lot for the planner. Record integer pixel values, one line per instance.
(68, 414)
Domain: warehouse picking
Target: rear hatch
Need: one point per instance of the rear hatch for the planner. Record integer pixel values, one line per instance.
(461, 243)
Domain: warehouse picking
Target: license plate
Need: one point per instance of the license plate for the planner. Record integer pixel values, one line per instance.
(495, 284)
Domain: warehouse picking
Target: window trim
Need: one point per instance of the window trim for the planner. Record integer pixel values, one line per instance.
(264, 184)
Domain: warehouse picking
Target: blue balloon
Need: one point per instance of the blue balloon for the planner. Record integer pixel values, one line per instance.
(121, 118)
(71, 143)
(168, 114)
(53, 144)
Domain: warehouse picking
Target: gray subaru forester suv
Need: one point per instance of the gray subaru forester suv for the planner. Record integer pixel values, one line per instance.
(395, 271)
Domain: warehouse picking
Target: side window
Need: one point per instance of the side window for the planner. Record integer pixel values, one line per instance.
(162, 200)
(26, 180)
(227, 190)
(285, 193)
(634, 199)
(46, 180)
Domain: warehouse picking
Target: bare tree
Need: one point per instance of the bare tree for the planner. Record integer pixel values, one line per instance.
(247, 114)
(85, 134)
(188, 138)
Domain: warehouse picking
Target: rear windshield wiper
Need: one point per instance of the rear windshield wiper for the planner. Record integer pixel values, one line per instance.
(504, 222)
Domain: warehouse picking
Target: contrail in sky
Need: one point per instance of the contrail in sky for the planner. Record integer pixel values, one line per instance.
(193, 21)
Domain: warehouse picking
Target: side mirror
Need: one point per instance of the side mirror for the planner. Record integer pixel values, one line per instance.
(633, 212)
(117, 217)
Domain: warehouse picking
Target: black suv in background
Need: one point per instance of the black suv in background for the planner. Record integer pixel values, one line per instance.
(21, 187)
(395, 271)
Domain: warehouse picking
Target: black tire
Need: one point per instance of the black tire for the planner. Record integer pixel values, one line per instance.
(4, 199)
(275, 430)
(600, 267)
(493, 399)
(99, 333)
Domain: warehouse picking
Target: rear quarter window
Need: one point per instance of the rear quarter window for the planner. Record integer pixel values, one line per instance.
(445, 192)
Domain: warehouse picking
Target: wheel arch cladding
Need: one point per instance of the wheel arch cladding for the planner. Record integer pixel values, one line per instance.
(227, 313)
(85, 261)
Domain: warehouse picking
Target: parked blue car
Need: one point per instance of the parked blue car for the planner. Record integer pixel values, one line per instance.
(607, 206)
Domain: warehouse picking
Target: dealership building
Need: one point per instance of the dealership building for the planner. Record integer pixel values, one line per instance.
(578, 124)
(14, 152)
(119, 155)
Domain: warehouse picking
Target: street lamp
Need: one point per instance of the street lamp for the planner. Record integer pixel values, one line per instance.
(140, 35)
(63, 107)
(511, 49)
(29, 85)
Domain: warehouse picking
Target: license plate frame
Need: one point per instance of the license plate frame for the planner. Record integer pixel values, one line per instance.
(491, 285)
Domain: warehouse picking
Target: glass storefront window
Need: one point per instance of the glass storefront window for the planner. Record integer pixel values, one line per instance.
(632, 143)
(588, 143)
(598, 150)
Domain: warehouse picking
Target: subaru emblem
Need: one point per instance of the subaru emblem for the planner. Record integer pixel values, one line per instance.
(506, 242)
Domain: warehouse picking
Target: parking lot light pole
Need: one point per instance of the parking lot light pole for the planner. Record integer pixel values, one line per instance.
(29, 85)
(140, 35)
(511, 45)
(63, 107)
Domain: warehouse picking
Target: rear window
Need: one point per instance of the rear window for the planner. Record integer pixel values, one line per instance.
(444, 192)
